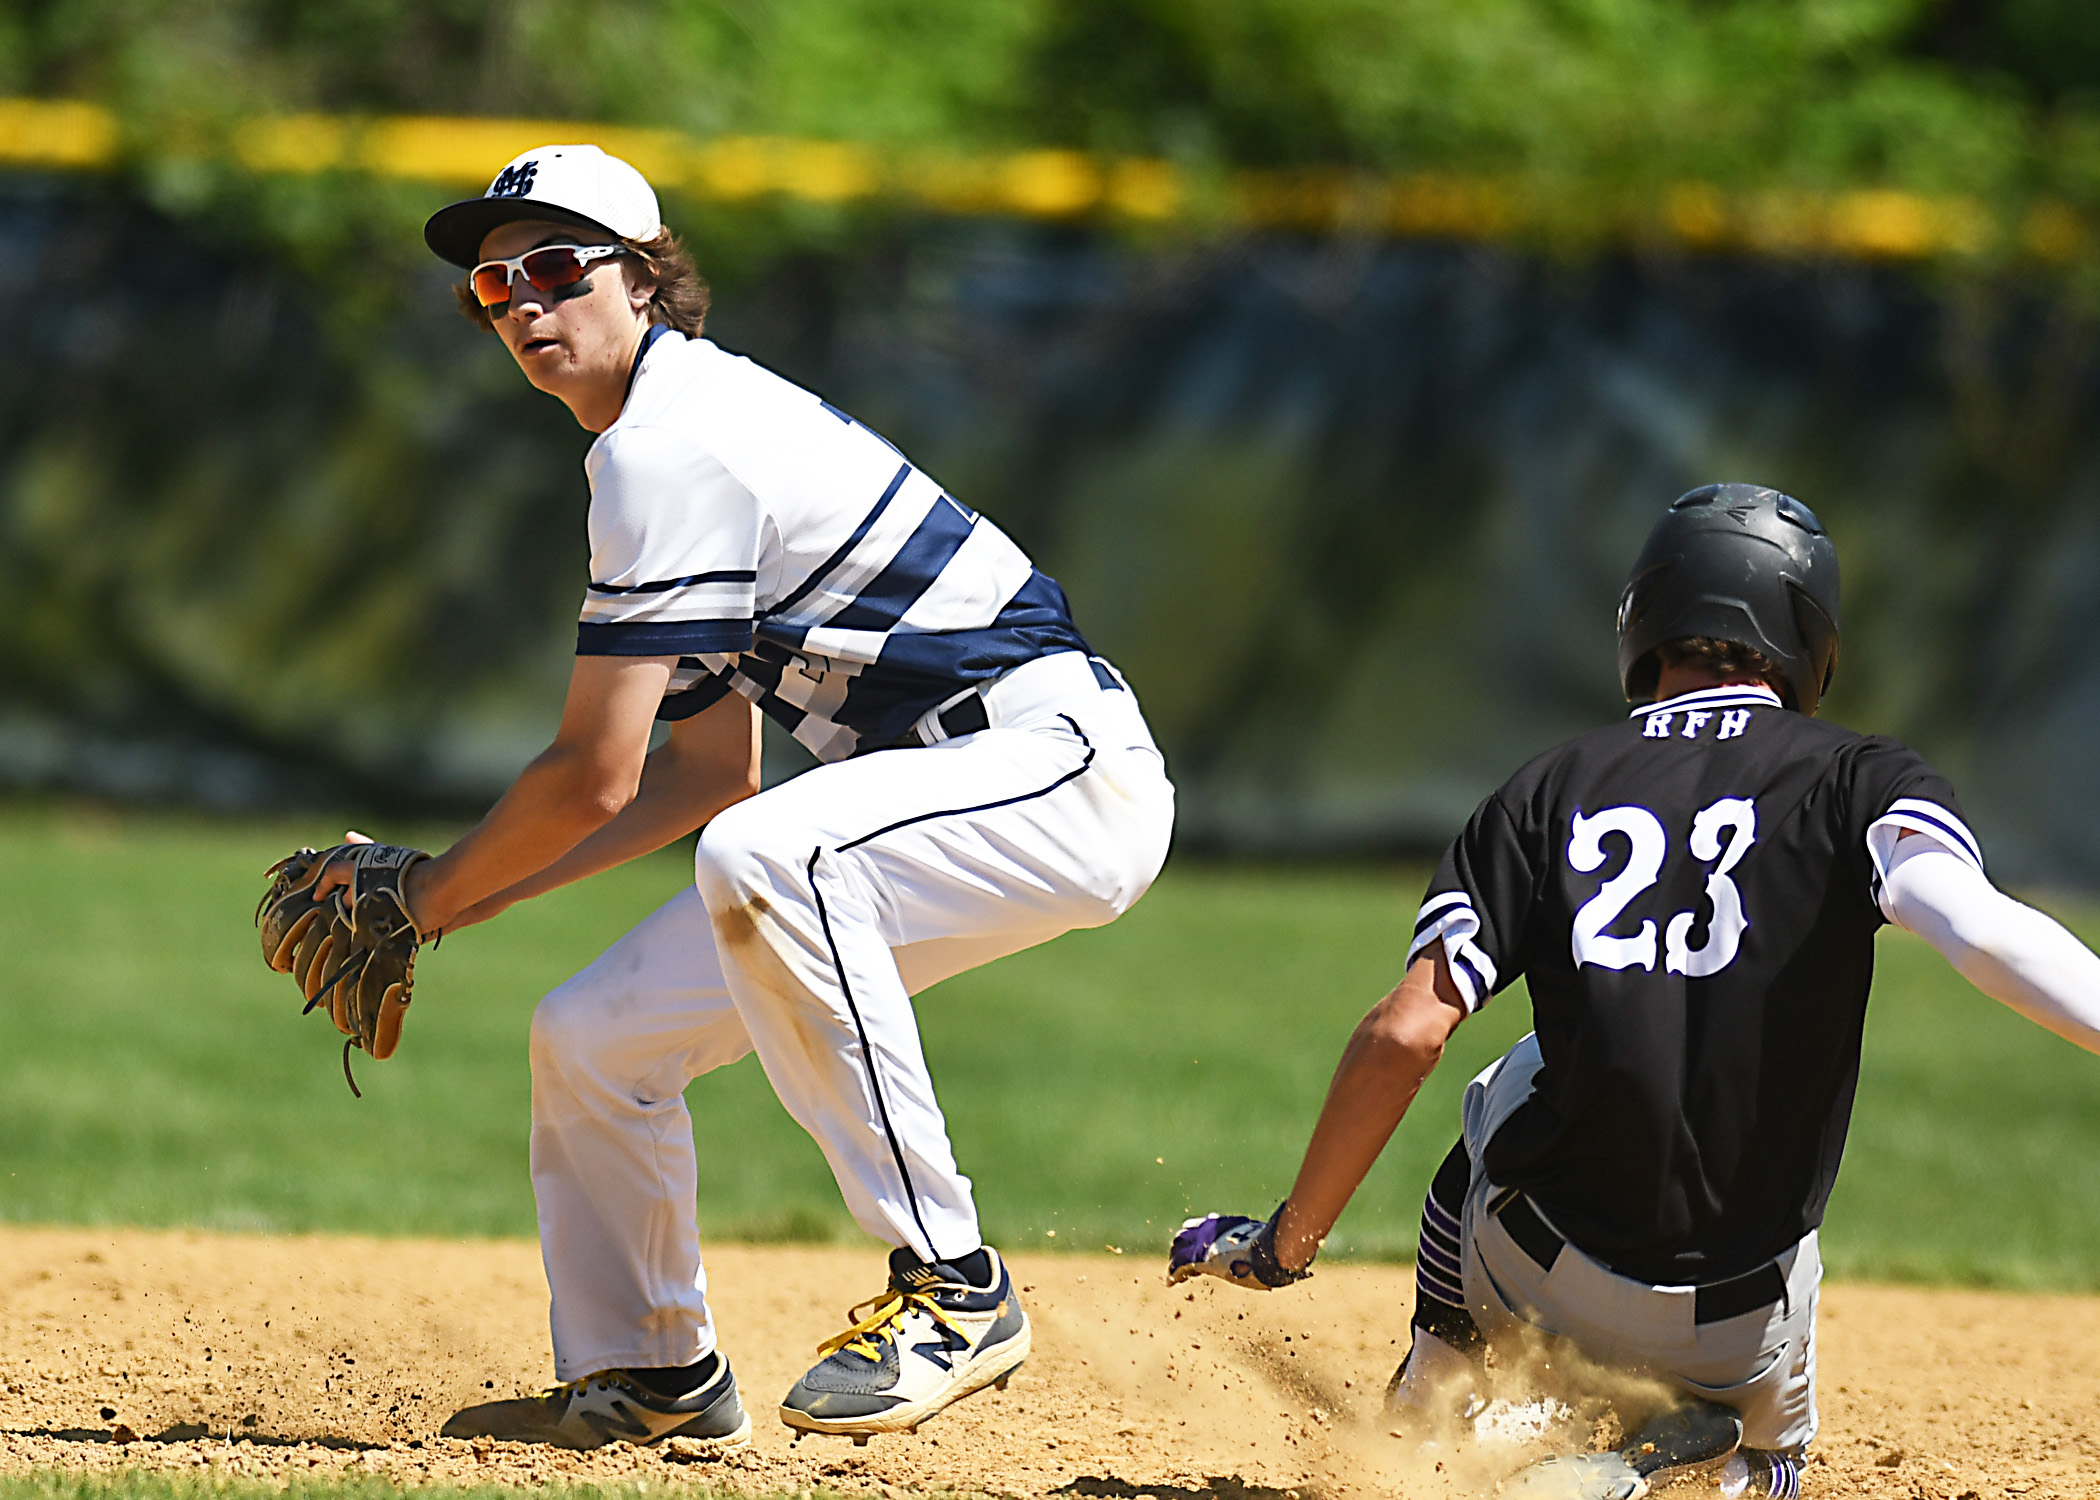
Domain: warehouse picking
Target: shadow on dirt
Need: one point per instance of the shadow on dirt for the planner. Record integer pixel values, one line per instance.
(1217, 1487)
(189, 1432)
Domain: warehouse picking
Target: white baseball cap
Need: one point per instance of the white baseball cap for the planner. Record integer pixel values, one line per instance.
(566, 184)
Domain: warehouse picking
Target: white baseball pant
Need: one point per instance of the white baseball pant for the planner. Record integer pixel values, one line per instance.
(1762, 1363)
(820, 907)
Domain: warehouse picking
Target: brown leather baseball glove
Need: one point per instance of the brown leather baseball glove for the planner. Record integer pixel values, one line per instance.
(353, 950)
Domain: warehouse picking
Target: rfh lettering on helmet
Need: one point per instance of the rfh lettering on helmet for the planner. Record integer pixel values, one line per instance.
(1647, 846)
(514, 181)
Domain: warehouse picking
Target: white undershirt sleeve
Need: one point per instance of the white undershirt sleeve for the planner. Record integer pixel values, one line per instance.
(2011, 952)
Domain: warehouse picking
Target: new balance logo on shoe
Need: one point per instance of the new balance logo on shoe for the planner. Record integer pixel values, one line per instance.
(617, 1421)
(946, 1342)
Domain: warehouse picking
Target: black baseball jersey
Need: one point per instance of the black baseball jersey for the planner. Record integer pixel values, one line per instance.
(1692, 897)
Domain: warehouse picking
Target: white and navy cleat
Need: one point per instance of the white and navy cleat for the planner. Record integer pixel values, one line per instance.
(1581, 1476)
(1672, 1446)
(609, 1407)
(932, 1338)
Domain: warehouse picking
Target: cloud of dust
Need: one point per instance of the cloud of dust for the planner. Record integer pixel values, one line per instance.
(1539, 1396)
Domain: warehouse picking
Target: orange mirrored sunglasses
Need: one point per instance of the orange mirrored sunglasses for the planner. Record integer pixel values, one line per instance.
(546, 269)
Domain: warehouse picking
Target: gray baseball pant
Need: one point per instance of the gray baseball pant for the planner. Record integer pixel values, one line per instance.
(1762, 1362)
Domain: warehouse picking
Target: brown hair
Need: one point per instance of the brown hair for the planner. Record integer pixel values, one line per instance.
(679, 299)
(1723, 659)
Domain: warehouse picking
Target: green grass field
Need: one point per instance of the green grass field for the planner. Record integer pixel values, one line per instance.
(1099, 1087)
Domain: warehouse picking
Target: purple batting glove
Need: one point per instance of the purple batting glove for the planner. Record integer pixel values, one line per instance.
(1231, 1246)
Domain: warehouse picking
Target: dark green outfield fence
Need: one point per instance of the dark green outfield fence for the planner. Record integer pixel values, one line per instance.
(1352, 516)
(278, 529)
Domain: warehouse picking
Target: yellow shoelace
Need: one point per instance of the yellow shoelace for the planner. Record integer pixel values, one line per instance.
(575, 1387)
(890, 1308)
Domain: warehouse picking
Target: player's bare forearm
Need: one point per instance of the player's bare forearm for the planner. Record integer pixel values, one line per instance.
(1393, 1050)
(542, 817)
(710, 762)
(571, 790)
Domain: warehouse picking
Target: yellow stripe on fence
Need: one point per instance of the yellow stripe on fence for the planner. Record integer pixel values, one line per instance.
(41, 133)
(465, 153)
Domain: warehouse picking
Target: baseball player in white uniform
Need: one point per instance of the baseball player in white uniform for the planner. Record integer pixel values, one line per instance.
(987, 783)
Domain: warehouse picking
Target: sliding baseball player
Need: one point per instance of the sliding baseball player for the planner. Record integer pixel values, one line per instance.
(1692, 895)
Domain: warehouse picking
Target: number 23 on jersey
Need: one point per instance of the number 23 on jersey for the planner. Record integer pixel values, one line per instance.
(1723, 832)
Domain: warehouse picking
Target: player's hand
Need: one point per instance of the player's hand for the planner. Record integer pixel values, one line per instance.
(1231, 1246)
(337, 874)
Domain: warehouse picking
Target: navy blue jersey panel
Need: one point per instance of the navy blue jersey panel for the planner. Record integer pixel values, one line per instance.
(883, 599)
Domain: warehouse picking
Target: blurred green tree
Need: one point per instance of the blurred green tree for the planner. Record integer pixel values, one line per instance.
(1973, 94)
(258, 487)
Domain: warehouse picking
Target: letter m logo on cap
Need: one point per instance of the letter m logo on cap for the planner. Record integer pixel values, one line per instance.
(514, 181)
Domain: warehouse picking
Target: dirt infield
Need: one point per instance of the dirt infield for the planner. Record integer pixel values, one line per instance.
(277, 1356)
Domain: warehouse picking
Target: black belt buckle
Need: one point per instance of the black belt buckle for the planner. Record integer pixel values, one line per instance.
(1737, 1295)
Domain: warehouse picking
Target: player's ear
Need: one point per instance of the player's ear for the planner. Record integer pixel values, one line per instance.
(639, 278)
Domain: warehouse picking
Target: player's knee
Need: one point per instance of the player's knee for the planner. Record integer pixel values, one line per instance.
(568, 1025)
(743, 853)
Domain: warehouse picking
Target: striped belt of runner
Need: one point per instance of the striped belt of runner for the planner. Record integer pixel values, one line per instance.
(1712, 1303)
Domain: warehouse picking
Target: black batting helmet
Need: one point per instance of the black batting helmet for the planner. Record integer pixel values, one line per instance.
(1735, 562)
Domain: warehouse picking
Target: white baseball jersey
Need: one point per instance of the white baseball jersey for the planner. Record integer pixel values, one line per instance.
(779, 548)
